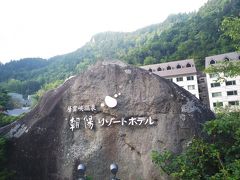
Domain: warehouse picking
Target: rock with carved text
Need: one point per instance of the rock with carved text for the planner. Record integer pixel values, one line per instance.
(112, 112)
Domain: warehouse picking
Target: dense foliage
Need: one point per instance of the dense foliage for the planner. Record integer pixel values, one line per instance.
(231, 28)
(23, 76)
(47, 87)
(216, 157)
(194, 35)
(4, 99)
(5, 119)
(23, 69)
(225, 69)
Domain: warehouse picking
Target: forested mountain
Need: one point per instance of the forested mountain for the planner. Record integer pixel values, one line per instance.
(194, 35)
(20, 69)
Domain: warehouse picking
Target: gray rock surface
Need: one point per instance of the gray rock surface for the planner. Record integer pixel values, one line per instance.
(44, 147)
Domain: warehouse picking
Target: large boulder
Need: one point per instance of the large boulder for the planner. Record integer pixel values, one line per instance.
(112, 112)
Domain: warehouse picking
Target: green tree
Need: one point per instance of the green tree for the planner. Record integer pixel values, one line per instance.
(149, 60)
(215, 157)
(84, 64)
(231, 27)
(4, 99)
(47, 87)
(225, 69)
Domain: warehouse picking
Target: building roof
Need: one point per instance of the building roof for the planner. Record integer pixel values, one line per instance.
(174, 68)
(221, 57)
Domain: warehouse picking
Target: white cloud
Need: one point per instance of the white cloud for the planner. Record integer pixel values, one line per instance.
(44, 28)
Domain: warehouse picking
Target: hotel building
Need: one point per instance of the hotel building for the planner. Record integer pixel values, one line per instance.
(226, 93)
(183, 73)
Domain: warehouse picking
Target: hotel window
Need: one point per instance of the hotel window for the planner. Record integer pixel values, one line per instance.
(215, 84)
(178, 66)
(191, 87)
(212, 62)
(233, 103)
(229, 83)
(216, 94)
(213, 75)
(189, 78)
(179, 79)
(170, 79)
(217, 104)
(226, 59)
(231, 93)
(169, 68)
(159, 69)
(188, 65)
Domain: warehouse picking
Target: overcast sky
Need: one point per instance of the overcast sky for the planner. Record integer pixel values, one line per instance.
(45, 28)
